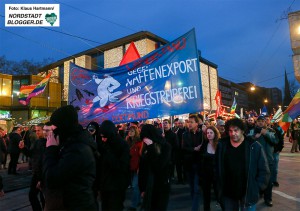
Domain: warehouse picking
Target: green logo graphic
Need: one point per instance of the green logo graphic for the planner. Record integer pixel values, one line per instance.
(51, 18)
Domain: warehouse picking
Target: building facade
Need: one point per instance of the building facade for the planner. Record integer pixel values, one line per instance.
(41, 105)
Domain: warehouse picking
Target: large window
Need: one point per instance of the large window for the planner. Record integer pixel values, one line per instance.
(17, 85)
(5, 87)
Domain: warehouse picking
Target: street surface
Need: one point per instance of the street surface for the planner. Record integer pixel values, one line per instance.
(285, 197)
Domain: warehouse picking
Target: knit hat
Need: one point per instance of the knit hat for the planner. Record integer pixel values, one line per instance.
(65, 119)
(108, 130)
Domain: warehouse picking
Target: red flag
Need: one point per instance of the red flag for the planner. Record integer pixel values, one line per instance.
(218, 102)
(130, 55)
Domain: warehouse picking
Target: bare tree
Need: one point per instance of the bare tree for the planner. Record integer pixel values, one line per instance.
(22, 67)
(294, 86)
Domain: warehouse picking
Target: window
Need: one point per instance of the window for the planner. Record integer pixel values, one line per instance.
(97, 60)
(17, 85)
(5, 87)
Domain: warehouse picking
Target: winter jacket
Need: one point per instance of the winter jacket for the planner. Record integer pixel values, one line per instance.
(190, 156)
(70, 170)
(154, 174)
(268, 141)
(171, 138)
(36, 153)
(257, 169)
(13, 145)
(114, 165)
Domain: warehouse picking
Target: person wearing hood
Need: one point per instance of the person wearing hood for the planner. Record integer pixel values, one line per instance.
(113, 166)
(70, 162)
(154, 169)
(93, 128)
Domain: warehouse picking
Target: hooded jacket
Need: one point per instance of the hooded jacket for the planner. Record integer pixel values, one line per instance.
(257, 169)
(71, 168)
(114, 170)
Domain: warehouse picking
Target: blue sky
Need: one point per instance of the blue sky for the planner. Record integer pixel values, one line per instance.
(249, 40)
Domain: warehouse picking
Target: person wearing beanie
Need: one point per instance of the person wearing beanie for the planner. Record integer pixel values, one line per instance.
(114, 167)
(70, 162)
(154, 172)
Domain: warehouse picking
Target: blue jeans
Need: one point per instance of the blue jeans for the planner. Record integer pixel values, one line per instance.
(236, 205)
(136, 196)
(275, 167)
(194, 186)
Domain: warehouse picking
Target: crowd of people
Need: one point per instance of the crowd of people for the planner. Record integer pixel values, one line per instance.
(76, 168)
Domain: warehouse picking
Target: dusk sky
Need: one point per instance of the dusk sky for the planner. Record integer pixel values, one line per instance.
(249, 40)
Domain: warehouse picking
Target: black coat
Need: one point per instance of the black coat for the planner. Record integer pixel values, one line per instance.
(154, 175)
(36, 153)
(114, 165)
(13, 145)
(190, 156)
(172, 139)
(70, 169)
(257, 169)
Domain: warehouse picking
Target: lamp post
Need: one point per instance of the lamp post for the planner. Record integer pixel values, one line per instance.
(48, 101)
(294, 23)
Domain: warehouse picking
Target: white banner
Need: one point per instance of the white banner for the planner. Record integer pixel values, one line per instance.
(32, 15)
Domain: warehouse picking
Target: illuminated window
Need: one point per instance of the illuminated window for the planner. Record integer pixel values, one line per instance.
(5, 87)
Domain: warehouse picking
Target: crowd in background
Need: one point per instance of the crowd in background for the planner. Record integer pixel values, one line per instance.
(76, 168)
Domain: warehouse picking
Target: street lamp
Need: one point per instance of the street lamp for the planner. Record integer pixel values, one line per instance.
(266, 100)
(294, 22)
(252, 88)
